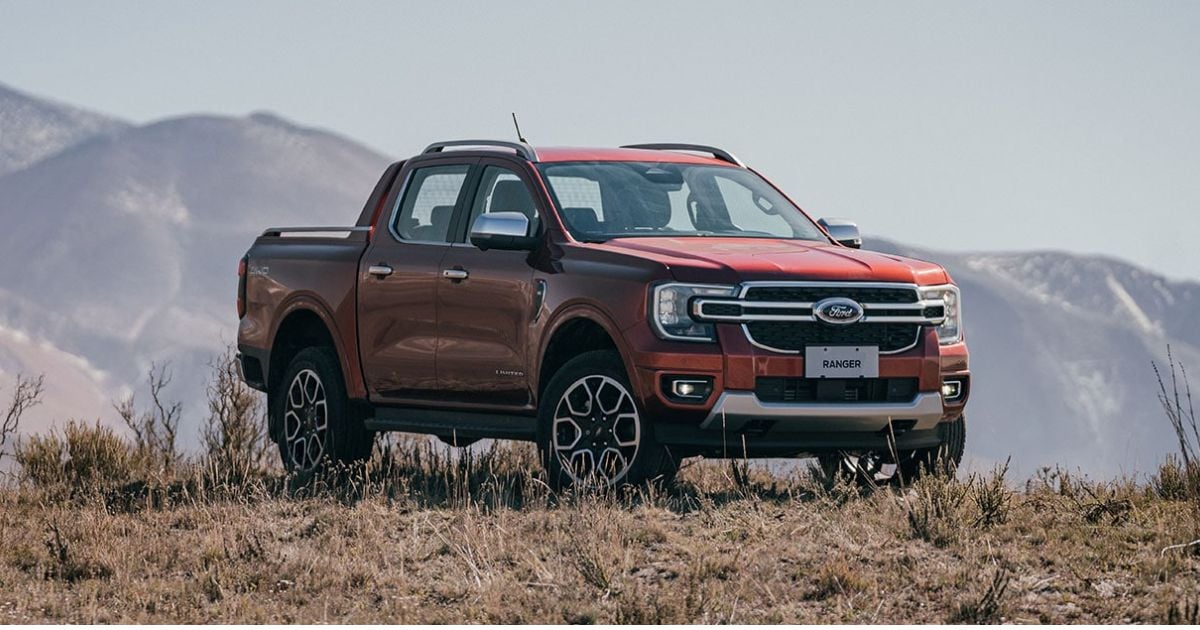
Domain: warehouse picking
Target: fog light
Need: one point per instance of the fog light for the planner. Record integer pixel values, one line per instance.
(687, 388)
(952, 390)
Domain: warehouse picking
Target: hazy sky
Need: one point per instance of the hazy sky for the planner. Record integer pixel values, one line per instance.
(957, 125)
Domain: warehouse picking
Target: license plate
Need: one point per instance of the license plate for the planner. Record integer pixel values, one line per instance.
(841, 361)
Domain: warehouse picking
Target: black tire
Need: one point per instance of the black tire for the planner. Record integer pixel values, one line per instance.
(867, 468)
(309, 439)
(942, 459)
(597, 412)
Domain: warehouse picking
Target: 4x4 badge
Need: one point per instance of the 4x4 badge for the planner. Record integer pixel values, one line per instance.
(837, 310)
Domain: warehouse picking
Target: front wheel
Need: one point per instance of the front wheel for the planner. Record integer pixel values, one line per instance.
(592, 431)
(944, 458)
(317, 424)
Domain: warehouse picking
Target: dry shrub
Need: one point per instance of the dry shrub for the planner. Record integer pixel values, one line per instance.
(1098, 502)
(236, 445)
(1174, 481)
(27, 393)
(1177, 405)
(1052, 481)
(591, 567)
(934, 508)
(156, 429)
(82, 456)
(992, 498)
(1095, 502)
(40, 458)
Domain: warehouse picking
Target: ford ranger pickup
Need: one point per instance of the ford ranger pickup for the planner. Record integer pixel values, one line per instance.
(624, 308)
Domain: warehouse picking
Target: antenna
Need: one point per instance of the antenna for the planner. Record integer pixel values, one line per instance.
(518, 126)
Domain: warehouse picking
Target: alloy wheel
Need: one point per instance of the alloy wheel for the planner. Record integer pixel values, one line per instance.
(596, 431)
(306, 420)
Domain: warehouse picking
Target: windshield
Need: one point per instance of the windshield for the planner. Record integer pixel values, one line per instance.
(603, 200)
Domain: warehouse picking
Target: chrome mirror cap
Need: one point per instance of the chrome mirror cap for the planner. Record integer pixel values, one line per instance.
(843, 231)
(502, 230)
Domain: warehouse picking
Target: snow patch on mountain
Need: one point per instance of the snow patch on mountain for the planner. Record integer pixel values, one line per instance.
(151, 203)
(1131, 306)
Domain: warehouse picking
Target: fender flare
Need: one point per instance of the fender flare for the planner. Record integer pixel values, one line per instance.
(596, 315)
(304, 301)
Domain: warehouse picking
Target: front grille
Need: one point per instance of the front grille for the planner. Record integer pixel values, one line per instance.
(779, 389)
(794, 336)
(862, 295)
(718, 309)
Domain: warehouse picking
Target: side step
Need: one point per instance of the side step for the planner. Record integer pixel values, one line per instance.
(464, 424)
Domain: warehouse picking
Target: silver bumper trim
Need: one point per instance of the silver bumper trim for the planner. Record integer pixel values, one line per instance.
(733, 410)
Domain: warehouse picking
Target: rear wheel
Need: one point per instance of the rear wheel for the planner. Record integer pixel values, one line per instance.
(316, 422)
(592, 431)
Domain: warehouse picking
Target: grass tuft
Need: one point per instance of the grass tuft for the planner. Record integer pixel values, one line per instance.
(988, 606)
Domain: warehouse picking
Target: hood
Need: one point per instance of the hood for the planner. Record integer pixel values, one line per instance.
(733, 260)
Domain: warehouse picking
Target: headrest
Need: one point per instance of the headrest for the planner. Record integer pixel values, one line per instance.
(656, 211)
(511, 196)
(441, 215)
(583, 219)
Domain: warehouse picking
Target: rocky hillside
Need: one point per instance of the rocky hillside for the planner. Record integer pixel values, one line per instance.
(1061, 347)
(128, 241)
(32, 128)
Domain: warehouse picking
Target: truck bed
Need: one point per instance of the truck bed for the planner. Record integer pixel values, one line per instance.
(292, 269)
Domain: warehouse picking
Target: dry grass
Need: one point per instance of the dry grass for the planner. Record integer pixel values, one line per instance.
(98, 528)
(423, 535)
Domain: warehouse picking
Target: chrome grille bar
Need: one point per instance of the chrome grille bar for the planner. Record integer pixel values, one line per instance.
(915, 312)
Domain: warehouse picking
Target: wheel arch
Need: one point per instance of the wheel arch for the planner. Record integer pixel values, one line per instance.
(303, 323)
(575, 330)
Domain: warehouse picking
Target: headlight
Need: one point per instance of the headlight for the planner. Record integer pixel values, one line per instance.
(951, 330)
(670, 313)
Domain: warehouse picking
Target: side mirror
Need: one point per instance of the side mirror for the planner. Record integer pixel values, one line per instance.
(502, 230)
(843, 231)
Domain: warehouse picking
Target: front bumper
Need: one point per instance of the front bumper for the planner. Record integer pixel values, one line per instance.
(737, 411)
(734, 421)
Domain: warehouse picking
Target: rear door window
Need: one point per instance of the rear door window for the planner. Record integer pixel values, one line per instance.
(426, 211)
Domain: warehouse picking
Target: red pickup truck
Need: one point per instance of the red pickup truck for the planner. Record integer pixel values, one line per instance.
(624, 308)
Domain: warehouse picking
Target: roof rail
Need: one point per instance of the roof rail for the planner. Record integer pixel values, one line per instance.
(720, 154)
(522, 148)
(331, 229)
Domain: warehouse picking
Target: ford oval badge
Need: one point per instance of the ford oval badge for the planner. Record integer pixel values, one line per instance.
(840, 311)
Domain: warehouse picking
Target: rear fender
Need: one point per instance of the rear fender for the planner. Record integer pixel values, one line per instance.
(347, 359)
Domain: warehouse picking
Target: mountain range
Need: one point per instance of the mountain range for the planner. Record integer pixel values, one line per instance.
(121, 242)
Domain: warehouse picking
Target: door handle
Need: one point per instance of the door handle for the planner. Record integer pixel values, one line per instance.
(382, 270)
(455, 274)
